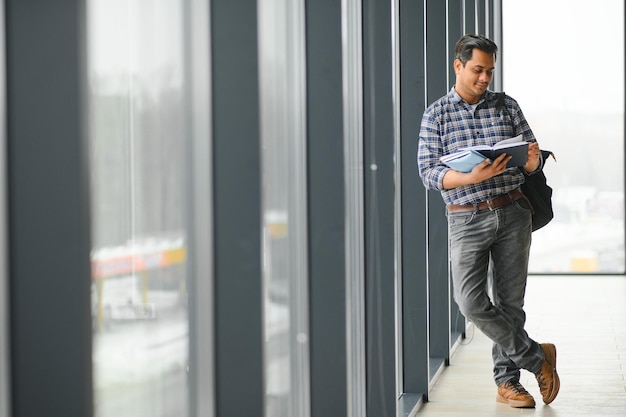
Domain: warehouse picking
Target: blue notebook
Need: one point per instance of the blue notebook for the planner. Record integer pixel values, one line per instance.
(463, 161)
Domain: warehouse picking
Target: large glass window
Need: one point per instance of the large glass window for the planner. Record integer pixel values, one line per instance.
(141, 131)
(563, 60)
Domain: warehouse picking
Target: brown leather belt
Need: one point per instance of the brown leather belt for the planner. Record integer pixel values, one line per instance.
(501, 201)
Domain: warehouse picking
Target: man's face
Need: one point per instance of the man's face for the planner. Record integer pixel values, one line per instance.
(473, 79)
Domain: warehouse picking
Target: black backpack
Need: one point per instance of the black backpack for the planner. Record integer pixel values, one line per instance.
(539, 194)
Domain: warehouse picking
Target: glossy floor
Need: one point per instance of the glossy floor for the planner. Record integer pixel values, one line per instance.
(586, 318)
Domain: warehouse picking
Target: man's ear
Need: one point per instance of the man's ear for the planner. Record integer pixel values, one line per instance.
(457, 65)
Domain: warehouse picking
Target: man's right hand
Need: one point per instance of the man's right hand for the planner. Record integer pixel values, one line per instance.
(485, 170)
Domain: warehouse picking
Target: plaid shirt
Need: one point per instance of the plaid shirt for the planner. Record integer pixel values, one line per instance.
(450, 123)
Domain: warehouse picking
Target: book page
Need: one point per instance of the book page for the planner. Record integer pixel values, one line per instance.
(510, 141)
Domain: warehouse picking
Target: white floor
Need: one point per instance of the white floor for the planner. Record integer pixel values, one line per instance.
(586, 318)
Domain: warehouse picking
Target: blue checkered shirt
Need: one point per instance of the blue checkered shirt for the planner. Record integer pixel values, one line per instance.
(450, 123)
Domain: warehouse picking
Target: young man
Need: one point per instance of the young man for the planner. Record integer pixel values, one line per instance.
(488, 217)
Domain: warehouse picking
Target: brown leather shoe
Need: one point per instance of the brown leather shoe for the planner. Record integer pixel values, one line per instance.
(548, 379)
(514, 394)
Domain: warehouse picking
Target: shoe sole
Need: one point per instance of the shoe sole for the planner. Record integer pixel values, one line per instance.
(515, 403)
(550, 352)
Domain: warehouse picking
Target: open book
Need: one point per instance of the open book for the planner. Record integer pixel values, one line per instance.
(516, 147)
(463, 161)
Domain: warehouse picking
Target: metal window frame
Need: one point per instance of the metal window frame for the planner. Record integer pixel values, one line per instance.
(397, 146)
(200, 228)
(5, 358)
(352, 33)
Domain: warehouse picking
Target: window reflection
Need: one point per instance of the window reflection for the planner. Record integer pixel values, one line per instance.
(138, 150)
(283, 176)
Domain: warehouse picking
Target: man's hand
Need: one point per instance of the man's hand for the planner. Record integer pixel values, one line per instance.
(532, 159)
(486, 169)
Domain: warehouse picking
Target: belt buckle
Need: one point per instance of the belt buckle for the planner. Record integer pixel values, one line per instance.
(491, 207)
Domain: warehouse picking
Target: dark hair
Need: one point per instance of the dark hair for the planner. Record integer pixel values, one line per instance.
(466, 45)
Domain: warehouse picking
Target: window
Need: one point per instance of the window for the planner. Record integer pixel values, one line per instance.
(285, 268)
(141, 137)
(567, 73)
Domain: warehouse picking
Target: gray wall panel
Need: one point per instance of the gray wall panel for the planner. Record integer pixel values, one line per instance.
(379, 170)
(237, 209)
(415, 285)
(48, 210)
(455, 27)
(326, 209)
(437, 86)
(5, 367)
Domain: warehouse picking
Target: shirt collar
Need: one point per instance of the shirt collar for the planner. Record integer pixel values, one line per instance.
(456, 98)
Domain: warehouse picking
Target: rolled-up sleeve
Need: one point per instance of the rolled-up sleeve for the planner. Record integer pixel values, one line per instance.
(430, 149)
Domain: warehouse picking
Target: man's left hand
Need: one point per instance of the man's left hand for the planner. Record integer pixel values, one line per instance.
(532, 159)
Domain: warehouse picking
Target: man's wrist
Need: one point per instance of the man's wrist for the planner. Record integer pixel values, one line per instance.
(528, 172)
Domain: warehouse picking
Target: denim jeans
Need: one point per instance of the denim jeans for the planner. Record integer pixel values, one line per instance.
(502, 235)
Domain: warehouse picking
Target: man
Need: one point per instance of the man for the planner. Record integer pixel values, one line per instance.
(488, 217)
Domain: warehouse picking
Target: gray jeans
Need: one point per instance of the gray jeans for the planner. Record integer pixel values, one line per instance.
(502, 235)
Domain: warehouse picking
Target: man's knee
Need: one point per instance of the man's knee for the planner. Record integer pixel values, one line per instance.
(474, 309)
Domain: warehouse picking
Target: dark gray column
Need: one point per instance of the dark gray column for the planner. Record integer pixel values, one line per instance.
(5, 367)
(455, 31)
(469, 17)
(438, 285)
(48, 209)
(237, 221)
(480, 17)
(378, 170)
(414, 273)
(326, 209)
